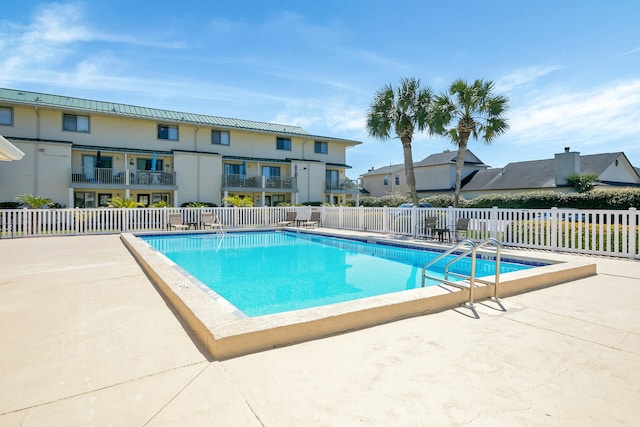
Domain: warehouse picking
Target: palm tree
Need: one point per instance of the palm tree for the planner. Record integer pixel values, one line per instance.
(127, 203)
(405, 110)
(33, 201)
(238, 201)
(473, 110)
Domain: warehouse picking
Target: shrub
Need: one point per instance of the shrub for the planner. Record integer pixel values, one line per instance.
(198, 205)
(582, 183)
(124, 203)
(238, 201)
(34, 202)
(9, 205)
(595, 199)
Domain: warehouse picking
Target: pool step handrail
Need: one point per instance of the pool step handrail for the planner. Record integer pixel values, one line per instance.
(471, 249)
(466, 242)
(217, 218)
(498, 246)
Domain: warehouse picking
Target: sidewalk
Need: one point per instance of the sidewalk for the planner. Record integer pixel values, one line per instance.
(85, 339)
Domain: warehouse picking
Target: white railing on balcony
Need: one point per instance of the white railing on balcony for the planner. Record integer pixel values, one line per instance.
(258, 182)
(599, 232)
(345, 185)
(114, 176)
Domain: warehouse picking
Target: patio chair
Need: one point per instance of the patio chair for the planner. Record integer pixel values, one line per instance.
(314, 221)
(207, 219)
(176, 223)
(430, 224)
(460, 229)
(289, 219)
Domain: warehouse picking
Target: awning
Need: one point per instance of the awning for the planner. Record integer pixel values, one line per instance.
(8, 151)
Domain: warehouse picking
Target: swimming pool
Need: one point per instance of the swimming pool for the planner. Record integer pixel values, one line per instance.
(271, 272)
(223, 331)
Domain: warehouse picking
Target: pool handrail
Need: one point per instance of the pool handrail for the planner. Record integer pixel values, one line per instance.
(471, 249)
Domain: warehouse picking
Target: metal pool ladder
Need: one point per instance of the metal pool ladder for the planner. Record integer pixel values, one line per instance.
(468, 247)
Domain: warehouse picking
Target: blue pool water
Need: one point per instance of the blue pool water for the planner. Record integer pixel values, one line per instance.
(270, 272)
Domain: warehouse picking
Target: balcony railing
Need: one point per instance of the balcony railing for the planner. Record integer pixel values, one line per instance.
(347, 185)
(258, 182)
(114, 176)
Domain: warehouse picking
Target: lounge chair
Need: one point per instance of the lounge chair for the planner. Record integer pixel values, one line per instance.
(289, 219)
(176, 223)
(314, 221)
(207, 219)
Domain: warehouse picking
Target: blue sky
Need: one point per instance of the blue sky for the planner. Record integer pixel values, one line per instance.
(571, 69)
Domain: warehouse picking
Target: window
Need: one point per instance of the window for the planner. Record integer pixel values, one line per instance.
(145, 164)
(144, 199)
(270, 171)
(168, 132)
(6, 116)
(89, 165)
(159, 197)
(283, 144)
(85, 200)
(272, 176)
(274, 199)
(386, 180)
(232, 169)
(103, 199)
(332, 180)
(397, 179)
(219, 137)
(74, 123)
(320, 147)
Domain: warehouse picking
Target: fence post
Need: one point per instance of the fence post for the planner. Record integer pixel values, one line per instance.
(554, 229)
(385, 219)
(76, 220)
(634, 248)
(493, 232)
(126, 220)
(450, 218)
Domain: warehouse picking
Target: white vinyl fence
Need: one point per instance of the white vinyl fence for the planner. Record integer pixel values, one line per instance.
(601, 232)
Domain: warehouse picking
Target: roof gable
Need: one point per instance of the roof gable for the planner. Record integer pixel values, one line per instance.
(384, 170)
(449, 157)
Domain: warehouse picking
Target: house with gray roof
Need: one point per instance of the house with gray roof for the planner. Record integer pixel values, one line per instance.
(436, 174)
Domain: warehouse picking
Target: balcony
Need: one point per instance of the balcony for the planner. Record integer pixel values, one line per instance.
(259, 183)
(108, 176)
(346, 186)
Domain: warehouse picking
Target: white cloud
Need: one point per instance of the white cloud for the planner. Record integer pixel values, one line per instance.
(331, 117)
(601, 114)
(48, 42)
(523, 76)
(629, 52)
(58, 23)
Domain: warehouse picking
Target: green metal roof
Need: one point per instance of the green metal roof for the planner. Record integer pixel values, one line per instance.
(123, 150)
(124, 110)
(339, 165)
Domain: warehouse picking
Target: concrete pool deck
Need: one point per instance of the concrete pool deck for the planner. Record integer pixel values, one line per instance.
(86, 339)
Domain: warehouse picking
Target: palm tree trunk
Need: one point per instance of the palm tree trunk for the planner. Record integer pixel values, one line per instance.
(408, 169)
(462, 152)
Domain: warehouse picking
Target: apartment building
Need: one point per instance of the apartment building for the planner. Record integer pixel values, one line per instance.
(82, 152)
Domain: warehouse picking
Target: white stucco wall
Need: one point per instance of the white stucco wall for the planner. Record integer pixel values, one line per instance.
(43, 171)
